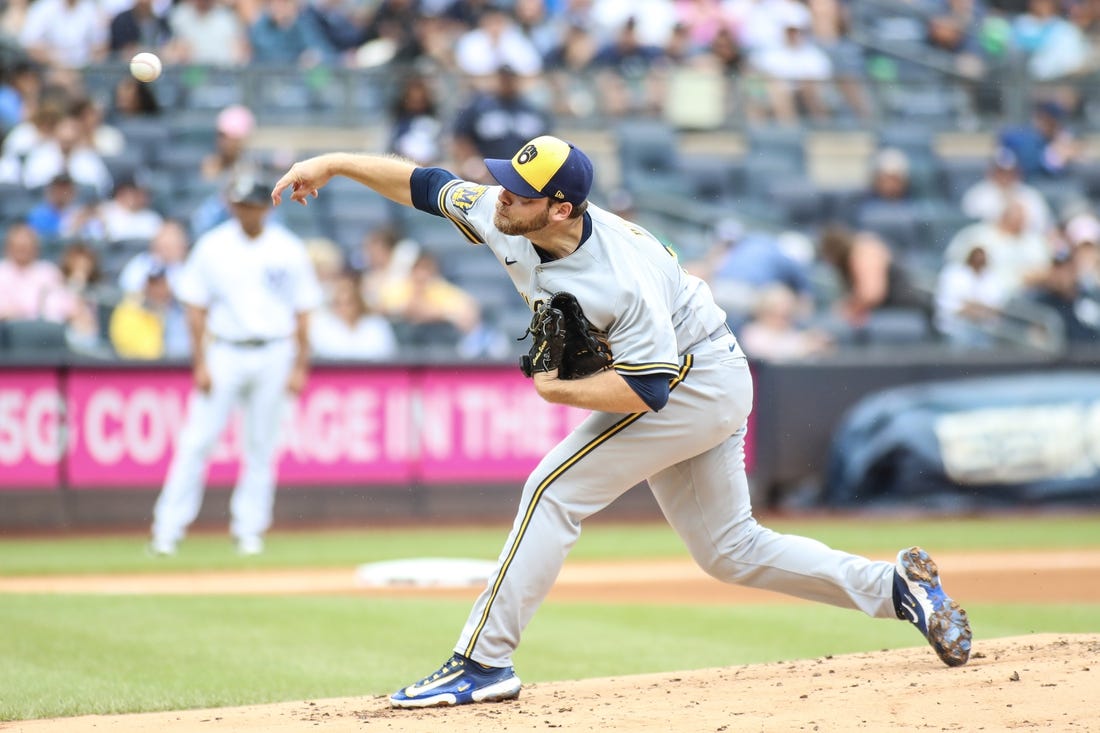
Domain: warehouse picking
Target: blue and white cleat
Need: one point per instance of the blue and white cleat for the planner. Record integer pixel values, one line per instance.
(919, 598)
(457, 682)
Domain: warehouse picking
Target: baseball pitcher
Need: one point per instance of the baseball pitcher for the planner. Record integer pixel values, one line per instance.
(619, 328)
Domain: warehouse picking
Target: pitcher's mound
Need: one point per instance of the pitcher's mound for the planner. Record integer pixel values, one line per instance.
(1033, 682)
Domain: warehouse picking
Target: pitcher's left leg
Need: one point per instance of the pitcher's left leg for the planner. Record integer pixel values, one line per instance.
(706, 500)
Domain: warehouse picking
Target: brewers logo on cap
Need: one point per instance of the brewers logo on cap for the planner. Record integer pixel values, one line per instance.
(545, 167)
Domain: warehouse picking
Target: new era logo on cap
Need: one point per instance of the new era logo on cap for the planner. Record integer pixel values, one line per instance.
(545, 167)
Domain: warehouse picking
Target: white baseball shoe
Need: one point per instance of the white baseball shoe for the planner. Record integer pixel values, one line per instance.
(160, 547)
(250, 545)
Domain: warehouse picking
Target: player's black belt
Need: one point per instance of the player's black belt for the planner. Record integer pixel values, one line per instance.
(248, 343)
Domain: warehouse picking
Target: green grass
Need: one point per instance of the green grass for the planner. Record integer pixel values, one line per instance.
(600, 540)
(94, 654)
(71, 654)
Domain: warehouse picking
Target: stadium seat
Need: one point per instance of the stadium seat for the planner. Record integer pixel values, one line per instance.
(912, 139)
(649, 157)
(897, 326)
(800, 200)
(41, 338)
(896, 223)
(959, 174)
(146, 137)
(710, 178)
(777, 142)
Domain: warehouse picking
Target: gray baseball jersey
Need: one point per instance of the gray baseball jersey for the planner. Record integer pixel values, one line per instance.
(659, 320)
(629, 284)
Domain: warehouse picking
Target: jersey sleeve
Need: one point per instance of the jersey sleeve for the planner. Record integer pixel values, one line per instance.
(643, 341)
(440, 192)
(469, 206)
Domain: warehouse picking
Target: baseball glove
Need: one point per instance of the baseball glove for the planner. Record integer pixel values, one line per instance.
(564, 339)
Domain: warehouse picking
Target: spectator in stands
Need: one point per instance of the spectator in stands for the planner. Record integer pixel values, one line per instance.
(341, 23)
(426, 299)
(400, 24)
(127, 214)
(67, 153)
(97, 134)
(742, 264)
(532, 19)
(12, 17)
(890, 178)
(20, 84)
(494, 125)
(1017, 256)
(52, 216)
(1061, 290)
(139, 28)
(285, 35)
(870, 277)
(38, 128)
(651, 21)
(726, 50)
(794, 69)
(630, 73)
(702, 20)
(167, 251)
(328, 263)
(84, 289)
(417, 131)
(132, 99)
(30, 288)
(774, 332)
(567, 65)
(829, 24)
(1082, 233)
(150, 324)
(347, 329)
(969, 298)
(384, 259)
(234, 125)
(1045, 147)
(987, 198)
(1054, 47)
(208, 32)
(495, 43)
(68, 34)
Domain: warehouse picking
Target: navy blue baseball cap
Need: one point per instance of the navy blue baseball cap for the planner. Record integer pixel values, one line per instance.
(546, 167)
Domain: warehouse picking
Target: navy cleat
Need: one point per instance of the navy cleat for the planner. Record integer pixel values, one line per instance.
(919, 598)
(457, 682)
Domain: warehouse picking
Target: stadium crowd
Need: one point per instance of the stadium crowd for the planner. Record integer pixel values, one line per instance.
(101, 197)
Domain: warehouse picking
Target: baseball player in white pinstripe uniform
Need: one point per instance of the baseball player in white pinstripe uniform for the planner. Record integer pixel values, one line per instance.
(249, 287)
(672, 410)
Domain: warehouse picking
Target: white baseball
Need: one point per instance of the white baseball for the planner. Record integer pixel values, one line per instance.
(145, 66)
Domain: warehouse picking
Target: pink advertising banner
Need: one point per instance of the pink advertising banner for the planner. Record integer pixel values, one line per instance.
(362, 427)
(486, 424)
(348, 427)
(31, 432)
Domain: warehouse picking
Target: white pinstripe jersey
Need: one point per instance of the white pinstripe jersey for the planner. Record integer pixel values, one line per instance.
(629, 285)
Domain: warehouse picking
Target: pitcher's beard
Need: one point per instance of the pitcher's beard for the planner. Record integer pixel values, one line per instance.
(519, 228)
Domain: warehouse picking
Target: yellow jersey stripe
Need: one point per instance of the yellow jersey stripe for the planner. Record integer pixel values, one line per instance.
(596, 442)
(666, 366)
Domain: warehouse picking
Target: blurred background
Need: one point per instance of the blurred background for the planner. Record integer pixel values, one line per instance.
(894, 201)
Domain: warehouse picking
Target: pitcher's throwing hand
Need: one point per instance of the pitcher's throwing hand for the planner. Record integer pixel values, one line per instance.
(304, 179)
